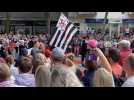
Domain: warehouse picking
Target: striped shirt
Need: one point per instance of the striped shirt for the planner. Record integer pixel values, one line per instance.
(9, 83)
(25, 80)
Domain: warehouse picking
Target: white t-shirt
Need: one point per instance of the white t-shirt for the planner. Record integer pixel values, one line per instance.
(17, 44)
(29, 51)
(129, 82)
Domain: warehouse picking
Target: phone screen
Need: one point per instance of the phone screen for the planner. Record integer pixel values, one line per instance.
(92, 57)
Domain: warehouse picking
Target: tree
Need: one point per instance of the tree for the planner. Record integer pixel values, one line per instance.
(7, 22)
(105, 24)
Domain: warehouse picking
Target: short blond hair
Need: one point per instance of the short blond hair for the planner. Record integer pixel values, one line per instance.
(4, 72)
(40, 59)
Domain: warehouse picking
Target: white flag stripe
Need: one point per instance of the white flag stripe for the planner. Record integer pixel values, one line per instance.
(70, 37)
(62, 18)
(59, 38)
(67, 32)
(53, 38)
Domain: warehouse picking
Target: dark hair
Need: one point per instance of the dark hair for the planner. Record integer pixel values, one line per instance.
(114, 54)
(25, 65)
(91, 64)
(9, 59)
(132, 44)
(84, 37)
(132, 50)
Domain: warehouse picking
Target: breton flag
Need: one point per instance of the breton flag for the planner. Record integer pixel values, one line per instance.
(64, 33)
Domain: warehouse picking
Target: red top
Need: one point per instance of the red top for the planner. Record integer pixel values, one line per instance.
(12, 46)
(117, 69)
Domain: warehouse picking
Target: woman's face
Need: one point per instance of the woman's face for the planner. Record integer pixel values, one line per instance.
(37, 44)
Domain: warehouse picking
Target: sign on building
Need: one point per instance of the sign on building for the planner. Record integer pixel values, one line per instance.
(115, 21)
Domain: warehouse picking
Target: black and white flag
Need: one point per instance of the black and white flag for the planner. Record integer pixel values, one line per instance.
(64, 33)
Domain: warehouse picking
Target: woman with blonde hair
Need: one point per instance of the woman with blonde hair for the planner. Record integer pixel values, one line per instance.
(11, 63)
(42, 71)
(103, 75)
(69, 61)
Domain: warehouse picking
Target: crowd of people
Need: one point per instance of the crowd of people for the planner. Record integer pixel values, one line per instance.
(28, 61)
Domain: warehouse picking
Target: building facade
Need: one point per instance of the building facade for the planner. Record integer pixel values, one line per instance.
(45, 22)
(28, 22)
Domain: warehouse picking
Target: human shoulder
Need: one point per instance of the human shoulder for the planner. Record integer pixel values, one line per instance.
(102, 71)
(62, 69)
(129, 82)
(72, 80)
(103, 78)
(42, 68)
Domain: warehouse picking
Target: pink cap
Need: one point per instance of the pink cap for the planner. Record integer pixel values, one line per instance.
(92, 43)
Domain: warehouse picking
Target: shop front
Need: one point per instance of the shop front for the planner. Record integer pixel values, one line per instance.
(96, 24)
(27, 27)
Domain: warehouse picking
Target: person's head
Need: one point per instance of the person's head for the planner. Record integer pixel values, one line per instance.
(37, 44)
(70, 56)
(4, 72)
(40, 59)
(58, 55)
(24, 52)
(84, 37)
(42, 46)
(25, 65)
(124, 44)
(9, 60)
(48, 53)
(114, 55)
(92, 43)
(129, 65)
(90, 64)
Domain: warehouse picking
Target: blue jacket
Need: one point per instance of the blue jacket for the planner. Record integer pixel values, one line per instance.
(87, 79)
